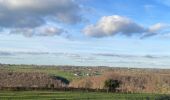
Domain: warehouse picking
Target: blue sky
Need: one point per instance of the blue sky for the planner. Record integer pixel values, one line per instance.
(120, 33)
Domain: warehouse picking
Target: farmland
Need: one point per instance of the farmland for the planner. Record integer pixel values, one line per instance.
(17, 82)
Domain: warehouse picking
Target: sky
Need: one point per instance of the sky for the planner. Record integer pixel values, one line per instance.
(114, 33)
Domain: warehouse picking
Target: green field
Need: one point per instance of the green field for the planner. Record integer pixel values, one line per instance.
(47, 95)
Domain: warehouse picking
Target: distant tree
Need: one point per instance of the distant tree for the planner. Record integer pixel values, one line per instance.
(111, 85)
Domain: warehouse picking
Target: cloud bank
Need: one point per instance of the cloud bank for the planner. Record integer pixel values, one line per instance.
(32, 13)
(114, 25)
(30, 18)
(26, 15)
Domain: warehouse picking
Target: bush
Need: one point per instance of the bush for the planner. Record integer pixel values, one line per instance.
(111, 85)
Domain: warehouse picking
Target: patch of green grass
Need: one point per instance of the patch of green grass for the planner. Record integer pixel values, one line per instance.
(50, 95)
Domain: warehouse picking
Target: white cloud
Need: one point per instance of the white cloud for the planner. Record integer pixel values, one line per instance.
(155, 30)
(32, 13)
(28, 17)
(49, 31)
(157, 27)
(39, 31)
(113, 25)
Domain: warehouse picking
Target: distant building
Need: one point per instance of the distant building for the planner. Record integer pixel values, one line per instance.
(75, 74)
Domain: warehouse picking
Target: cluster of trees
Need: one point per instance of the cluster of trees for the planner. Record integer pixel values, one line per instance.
(31, 79)
(36, 80)
(133, 81)
(127, 82)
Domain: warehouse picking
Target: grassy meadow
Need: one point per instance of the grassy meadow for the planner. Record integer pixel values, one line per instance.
(53, 95)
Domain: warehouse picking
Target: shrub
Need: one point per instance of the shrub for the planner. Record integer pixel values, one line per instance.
(111, 85)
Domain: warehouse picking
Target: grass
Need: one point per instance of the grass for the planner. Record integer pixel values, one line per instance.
(51, 95)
